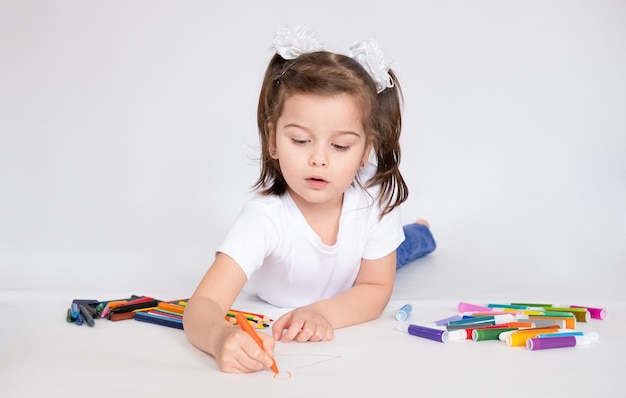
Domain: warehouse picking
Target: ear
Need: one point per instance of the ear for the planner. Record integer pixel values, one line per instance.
(271, 142)
(366, 155)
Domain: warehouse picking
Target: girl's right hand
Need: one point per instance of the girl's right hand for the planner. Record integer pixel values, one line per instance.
(238, 352)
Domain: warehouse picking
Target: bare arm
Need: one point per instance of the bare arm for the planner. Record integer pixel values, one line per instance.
(204, 323)
(363, 302)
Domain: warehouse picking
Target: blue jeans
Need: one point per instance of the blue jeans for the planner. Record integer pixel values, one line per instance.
(418, 242)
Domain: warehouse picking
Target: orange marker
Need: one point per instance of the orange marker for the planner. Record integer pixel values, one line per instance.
(243, 322)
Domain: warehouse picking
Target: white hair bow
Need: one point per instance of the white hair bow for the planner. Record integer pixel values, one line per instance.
(291, 43)
(371, 57)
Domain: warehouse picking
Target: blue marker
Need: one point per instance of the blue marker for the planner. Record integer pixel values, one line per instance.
(404, 313)
(75, 310)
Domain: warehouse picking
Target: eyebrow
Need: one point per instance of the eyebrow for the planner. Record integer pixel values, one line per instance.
(338, 132)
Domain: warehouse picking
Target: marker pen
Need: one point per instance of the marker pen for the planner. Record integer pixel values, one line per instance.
(594, 336)
(518, 337)
(492, 313)
(488, 322)
(444, 321)
(497, 319)
(439, 335)
(570, 321)
(512, 325)
(509, 306)
(404, 313)
(535, 343)
(489, 334)
(467, 307)
(581, 314)
(595, 313)
(545, 322)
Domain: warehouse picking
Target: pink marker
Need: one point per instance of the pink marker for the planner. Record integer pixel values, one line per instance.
(469, 307)
(596, 313)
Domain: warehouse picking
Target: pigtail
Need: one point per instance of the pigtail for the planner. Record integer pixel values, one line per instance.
(388, 124)
(270, 179)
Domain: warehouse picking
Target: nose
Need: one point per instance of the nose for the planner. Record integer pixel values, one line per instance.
(318, 158)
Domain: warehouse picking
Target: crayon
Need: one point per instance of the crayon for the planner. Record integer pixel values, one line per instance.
(243, 322)
(85, 302)
(86, 315)
(159, 320)
(110, 305)
(69, 317)
(179, 309)
(145, 302)
(92, 310)
(121, 316)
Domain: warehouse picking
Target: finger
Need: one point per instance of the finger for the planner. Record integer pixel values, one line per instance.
(269, 343)
(279, 327)
(292, 331)
(315, 332)
(322, 333)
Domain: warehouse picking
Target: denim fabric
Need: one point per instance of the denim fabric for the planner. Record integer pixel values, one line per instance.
(418, 242)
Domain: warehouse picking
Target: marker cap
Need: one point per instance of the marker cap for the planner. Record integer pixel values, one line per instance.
(404, 312)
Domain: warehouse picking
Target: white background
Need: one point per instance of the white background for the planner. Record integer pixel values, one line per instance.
(128, 137)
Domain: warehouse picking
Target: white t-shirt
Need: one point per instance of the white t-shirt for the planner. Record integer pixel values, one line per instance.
(285, 261)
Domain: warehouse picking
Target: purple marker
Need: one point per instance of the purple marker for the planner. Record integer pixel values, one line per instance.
(444, 321)
(556, 342)
(429, 333)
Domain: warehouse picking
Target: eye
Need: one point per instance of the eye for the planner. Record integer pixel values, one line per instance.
(341, 148)
(299, 142)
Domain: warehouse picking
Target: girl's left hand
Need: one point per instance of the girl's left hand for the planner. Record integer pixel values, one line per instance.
(302, 324)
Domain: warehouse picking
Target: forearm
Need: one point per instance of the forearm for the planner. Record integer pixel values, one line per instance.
(204, 323)
(361, 303)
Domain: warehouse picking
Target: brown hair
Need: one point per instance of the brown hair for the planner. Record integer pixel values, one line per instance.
(325, 73)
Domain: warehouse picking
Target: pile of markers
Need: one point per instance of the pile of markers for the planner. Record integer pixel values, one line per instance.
(531, 325)
(146, 309)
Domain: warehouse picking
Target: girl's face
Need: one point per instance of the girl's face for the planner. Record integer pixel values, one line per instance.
(320, 144)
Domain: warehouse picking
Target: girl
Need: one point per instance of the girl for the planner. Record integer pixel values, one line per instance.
(321, 232)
